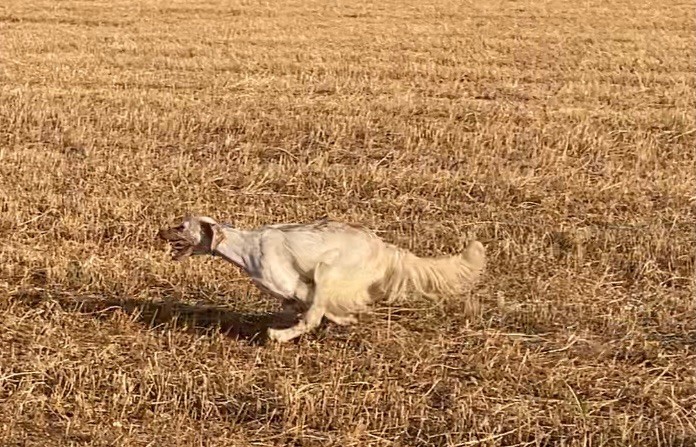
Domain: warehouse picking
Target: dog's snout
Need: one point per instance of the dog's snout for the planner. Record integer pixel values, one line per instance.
(167, 234)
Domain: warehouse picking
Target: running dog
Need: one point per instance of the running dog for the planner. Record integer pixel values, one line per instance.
(329, 269)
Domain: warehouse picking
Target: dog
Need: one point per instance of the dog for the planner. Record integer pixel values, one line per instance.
(326, 268)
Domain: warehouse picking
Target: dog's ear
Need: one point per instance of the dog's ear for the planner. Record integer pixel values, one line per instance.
(213, 232)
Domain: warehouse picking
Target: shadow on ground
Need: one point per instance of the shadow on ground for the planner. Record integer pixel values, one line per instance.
(198, 318)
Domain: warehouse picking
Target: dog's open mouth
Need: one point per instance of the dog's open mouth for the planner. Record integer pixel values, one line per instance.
(181, 246)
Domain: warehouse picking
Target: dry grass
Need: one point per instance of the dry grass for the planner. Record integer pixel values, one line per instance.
(561, 134)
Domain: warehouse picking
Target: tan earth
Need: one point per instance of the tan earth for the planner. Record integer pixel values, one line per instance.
(560, 134)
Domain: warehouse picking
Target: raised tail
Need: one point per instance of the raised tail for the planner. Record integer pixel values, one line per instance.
(447, 275)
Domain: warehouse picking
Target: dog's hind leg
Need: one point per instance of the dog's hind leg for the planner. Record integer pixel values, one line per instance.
(343, 291)
(340, 292)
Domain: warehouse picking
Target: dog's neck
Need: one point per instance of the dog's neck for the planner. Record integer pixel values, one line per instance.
(238, 247)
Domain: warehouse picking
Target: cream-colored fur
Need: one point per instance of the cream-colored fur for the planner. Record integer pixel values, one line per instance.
(330, 269)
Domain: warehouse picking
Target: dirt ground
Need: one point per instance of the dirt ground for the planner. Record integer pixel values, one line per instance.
(560, 134)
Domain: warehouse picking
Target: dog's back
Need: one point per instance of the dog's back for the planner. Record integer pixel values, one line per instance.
(308, 243)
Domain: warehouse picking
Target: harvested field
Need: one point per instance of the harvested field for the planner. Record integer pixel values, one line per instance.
(560, 134)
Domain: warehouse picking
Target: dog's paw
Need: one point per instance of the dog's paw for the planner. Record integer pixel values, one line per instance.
(279, 335)
(346, 320)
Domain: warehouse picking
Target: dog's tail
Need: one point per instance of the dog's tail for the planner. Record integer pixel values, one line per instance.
(430, 277)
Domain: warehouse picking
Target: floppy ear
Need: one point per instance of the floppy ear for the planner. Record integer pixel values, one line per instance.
(213, 232)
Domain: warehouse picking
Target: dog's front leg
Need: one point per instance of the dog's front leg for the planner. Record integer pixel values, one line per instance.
(310, 320)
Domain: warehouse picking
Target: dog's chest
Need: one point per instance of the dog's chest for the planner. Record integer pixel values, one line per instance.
(271, 287)
(271, 280)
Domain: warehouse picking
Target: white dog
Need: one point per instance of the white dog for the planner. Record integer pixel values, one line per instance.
(330, 268)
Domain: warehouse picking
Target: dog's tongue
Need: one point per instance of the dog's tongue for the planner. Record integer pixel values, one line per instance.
(180, 246)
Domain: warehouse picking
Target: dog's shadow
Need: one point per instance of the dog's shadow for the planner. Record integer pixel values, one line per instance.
(199, 318)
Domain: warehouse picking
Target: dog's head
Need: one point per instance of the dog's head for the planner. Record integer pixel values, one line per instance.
(196, 235)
